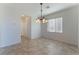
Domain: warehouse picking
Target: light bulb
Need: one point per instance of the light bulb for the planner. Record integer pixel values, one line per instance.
(44, 21)
(38, 21)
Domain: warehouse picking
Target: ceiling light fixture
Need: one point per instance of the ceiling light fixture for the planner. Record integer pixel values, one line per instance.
(41, 19)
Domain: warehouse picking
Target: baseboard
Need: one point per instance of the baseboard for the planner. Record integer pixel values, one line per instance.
(4, 46)
(62, 42)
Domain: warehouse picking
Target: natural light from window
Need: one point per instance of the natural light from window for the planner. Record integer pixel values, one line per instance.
(55, 25)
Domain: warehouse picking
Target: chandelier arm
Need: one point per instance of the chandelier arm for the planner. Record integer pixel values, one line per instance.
(41, 9)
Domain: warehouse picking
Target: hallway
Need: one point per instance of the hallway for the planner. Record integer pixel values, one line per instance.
(40, 47)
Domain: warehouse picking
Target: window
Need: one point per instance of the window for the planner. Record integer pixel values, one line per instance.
(51, 25)
(55, 25)
(59, 25)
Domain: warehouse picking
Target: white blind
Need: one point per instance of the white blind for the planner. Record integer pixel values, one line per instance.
(55, 25)
(59, 25)
(51, 25)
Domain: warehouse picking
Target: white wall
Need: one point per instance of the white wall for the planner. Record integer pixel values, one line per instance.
(70, 26)
(36, 29)
(2, 8)
(78, 27)
(10, 31)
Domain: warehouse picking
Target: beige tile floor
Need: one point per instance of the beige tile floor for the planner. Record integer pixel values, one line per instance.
(40, 47)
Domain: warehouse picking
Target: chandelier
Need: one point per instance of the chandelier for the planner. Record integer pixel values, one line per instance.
(41, 19)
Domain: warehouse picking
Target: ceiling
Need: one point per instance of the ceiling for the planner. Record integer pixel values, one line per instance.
(57, 7)
(34, 8)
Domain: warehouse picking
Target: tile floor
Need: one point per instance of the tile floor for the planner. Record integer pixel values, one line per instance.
(40, 47)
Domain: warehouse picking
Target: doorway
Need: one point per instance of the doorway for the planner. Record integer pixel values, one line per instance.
(24, 25)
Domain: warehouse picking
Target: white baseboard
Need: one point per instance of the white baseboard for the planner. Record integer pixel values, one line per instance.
(14, 43)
